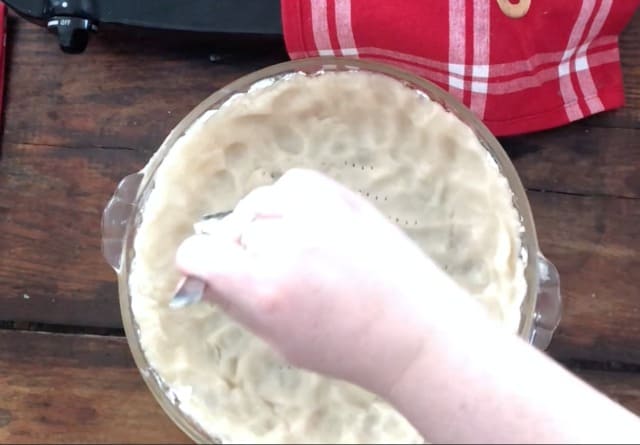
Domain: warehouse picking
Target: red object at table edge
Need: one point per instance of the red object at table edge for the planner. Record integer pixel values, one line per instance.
(3, 51)
(557, 64)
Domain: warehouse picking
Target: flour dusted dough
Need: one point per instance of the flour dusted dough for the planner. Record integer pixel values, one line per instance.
(416, 162)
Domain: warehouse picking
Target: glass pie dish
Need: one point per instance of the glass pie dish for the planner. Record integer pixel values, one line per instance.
(541, 307)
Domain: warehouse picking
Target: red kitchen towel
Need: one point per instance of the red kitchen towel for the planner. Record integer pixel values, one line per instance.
(520, 65)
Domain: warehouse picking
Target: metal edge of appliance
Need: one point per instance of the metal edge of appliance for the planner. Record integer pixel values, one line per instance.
(74, 20)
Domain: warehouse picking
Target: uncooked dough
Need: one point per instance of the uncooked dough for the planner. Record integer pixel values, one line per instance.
(416, 162)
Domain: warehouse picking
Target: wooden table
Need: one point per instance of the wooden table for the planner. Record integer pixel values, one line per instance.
(75, 125)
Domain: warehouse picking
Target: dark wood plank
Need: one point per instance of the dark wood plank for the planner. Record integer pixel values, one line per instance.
(51, 202)
(85, 389)
(595, 243)
(128, 89)
(575, 159)
(622, 387)
(76, 389)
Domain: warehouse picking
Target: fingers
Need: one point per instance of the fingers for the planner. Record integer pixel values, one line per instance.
(242, 254)
(271, 239)
(260, 200)
(224, 265)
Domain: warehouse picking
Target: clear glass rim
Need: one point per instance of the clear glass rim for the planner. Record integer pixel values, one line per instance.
(314, 65)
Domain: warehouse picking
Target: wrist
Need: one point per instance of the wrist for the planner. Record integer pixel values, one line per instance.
(439, 312)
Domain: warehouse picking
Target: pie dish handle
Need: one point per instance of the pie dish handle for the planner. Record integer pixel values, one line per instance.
(548, 310)
(116, 216)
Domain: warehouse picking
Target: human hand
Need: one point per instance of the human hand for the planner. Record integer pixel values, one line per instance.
(321, 275)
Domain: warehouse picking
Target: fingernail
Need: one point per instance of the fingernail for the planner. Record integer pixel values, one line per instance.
(190, 291)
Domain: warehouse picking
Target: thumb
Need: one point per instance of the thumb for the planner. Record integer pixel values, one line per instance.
(222, 264)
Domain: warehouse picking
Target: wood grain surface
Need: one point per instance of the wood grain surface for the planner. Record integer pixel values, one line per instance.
(74, 126)
(51, 201)
(58, 388)
(128, 90)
